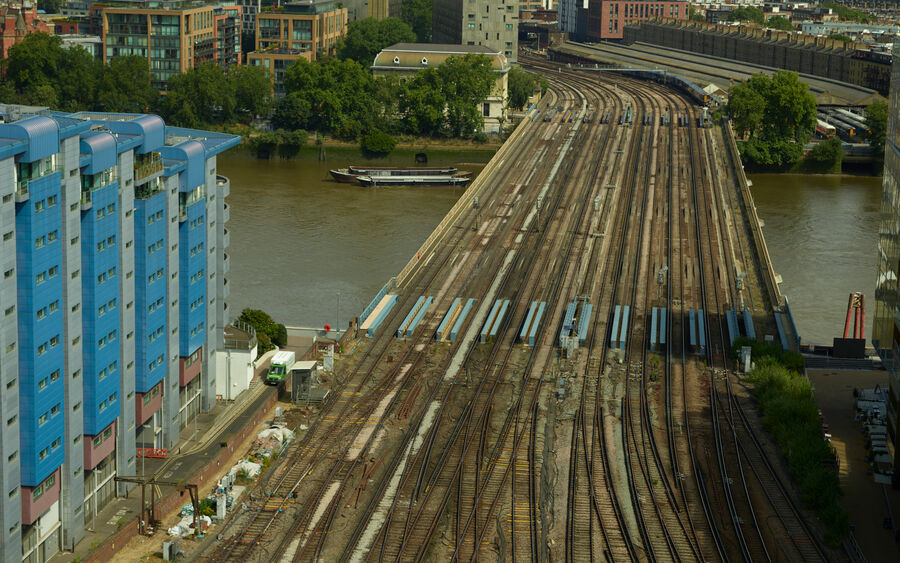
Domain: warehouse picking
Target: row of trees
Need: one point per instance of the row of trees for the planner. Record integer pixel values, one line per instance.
(848, 14)
(332, 95)
(790, 414)
(757, 16)
(40, 71)
(343, 98)
(208, 95)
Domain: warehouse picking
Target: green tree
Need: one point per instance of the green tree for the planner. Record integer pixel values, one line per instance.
(76, 79)
(848, 14)
(876, 121)
(422, 105)
(265, 326)
(780, 22)
(417, 13)
(199, 96)
(839, 37)
(828, 153)
(367, 37)
(521, 86)
(339, 94)
(790, 108)
(291, 112)
(749, 14)
(43, 72)
(466, 81)
(125, 86)
(777, 113)
(252, 90)
(378, 143)
(694, 15)
(746, 105)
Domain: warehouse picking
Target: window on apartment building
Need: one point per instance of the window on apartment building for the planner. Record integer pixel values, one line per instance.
(10, 384)
(42, 384)
(54, 341)
(42, 349)
(76, 407)
(8, 236)
(54, 410)
(74, 240)
(7, 198)
(43, 419)
(39, 242)
(12, 420)
(44, 453)
(98, 439)
(13, 492)
(56, 443)
(12, 457)
(54, 376)
(76, 440)
(10, 347)
(9, 273)
(10, 310)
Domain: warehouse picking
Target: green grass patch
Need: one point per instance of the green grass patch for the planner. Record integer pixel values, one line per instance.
(790, 414)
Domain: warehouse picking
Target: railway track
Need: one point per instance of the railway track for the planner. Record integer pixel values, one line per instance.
(466, 450)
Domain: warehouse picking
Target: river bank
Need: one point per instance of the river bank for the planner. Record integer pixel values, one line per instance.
(252, 138)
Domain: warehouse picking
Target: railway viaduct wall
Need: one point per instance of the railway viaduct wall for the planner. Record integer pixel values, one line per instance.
(808, 54)
(763, 261)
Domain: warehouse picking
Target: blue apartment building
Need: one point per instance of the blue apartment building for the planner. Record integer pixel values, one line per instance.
(112, 307)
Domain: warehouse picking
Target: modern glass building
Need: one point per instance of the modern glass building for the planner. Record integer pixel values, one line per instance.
(112, 305)
(886, 325)
(174, 35)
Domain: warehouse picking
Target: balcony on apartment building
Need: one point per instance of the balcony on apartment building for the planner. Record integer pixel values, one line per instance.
(147, 167)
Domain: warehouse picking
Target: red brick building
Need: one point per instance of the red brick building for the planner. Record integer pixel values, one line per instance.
(18, 19)
(607, 18)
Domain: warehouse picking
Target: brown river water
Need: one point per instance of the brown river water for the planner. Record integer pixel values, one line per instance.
(311, 251)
